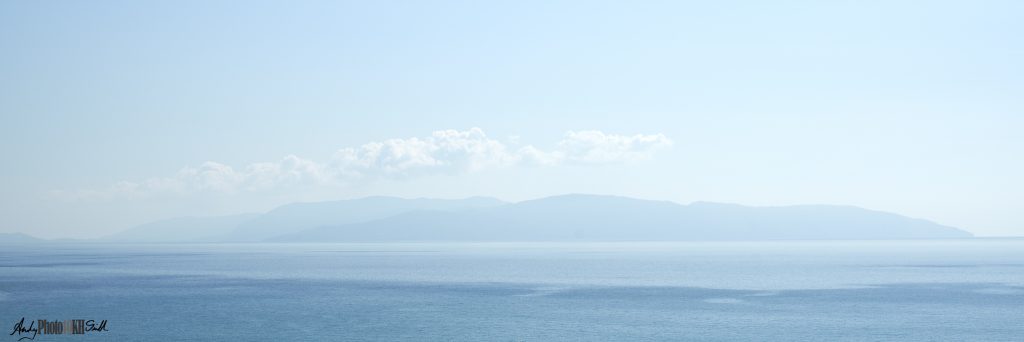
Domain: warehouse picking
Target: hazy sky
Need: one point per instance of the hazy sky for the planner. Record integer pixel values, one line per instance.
(118, 113)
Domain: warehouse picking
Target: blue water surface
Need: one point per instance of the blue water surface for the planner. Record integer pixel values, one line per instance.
(943, 290)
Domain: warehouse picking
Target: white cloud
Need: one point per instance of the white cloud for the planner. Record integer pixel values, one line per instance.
(447, 151)
(444, 151)
(598, 147)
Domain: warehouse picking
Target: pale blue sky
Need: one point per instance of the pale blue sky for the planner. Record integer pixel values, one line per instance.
(913, 107)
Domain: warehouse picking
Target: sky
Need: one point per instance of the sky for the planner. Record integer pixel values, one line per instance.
(114, 114)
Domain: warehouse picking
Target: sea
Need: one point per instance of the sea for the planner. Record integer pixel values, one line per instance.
(906, 290)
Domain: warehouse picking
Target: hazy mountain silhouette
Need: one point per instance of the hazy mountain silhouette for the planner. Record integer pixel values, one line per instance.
(297, 217)
(18, 239)
(183, 229)
(558, 218)
(611, 218)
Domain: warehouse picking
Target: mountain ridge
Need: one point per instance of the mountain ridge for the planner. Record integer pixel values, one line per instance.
(569, 217)
(19, 238)
(616, 218)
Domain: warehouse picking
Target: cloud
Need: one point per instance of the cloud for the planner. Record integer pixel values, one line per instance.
(443, 152)
(598, 147)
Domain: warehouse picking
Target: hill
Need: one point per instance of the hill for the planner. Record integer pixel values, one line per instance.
(611, 218)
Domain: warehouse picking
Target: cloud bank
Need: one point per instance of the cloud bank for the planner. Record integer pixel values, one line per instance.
(443, 152)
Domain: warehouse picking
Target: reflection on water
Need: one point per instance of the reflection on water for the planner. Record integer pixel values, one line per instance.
(858, 290)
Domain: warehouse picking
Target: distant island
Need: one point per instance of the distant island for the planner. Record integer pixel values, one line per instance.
(18, 238)
(557, 218)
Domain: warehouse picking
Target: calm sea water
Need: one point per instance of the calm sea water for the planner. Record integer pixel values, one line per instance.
(958, 290)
